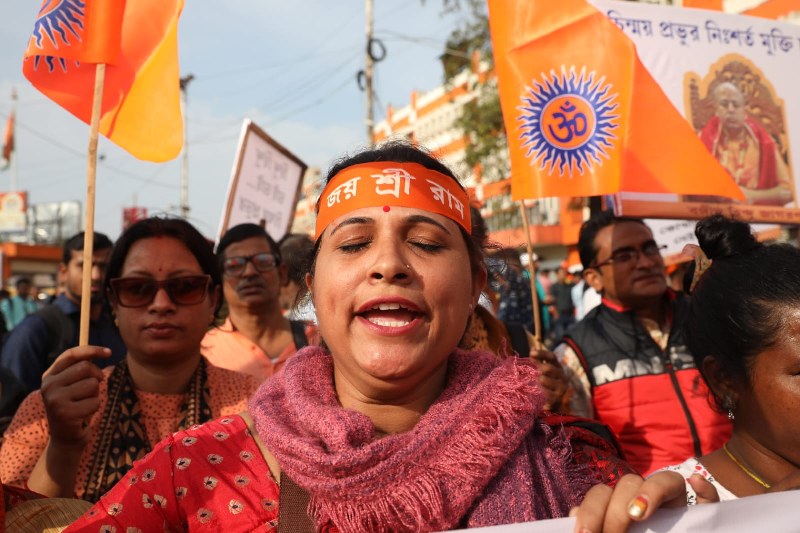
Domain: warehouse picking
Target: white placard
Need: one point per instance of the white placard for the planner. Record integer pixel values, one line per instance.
(674, 234)
(775, 513)
(265, 184)
(13, 209)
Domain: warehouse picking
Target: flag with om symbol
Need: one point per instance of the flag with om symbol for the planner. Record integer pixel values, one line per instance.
(583, 116)
(137, 40)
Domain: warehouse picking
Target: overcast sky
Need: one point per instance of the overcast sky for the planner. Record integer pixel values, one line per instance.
(290, 66)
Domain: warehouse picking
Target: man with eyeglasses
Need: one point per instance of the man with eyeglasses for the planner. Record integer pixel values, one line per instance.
(256, 338)
(746, 149)
(627, 359)
(42, 336)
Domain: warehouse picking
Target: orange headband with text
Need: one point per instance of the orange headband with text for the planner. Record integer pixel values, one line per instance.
(387, 183)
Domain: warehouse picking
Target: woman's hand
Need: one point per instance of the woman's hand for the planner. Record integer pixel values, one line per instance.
(70, 390)
(634, 499)
(551, 377)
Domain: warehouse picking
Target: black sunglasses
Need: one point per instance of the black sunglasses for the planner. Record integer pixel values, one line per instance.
(140, 292)
(263, 262)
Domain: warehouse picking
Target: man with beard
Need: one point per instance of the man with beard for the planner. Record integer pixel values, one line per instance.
(256, 338)
(42, 336)
(627, 359)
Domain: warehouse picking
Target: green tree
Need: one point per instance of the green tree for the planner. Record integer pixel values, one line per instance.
(471, 35)
(481, 119)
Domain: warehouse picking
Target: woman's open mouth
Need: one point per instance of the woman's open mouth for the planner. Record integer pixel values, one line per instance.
(390, 314)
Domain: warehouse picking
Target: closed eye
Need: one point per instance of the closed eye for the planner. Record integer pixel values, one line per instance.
(427, 246)
(353, 247)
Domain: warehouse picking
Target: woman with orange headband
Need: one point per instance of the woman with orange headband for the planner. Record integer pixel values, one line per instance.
(387, 426)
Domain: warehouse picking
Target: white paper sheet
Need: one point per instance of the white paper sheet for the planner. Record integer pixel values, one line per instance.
(768, 513)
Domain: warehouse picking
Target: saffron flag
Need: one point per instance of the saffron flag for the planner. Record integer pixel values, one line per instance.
(583, 116)
(774, 9)
(715, 5)
(8, 142)
(770, 9)
(137, 40)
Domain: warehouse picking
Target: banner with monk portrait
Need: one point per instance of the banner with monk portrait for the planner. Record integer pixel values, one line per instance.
(735, 80)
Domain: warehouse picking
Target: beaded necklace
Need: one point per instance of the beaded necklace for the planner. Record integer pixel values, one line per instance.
(744, 468)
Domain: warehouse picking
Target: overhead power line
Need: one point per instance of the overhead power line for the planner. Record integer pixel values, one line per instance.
(317, 102)
(78, 153)
(273, 65)
(320, 43)
(317, 82)
(312, 83)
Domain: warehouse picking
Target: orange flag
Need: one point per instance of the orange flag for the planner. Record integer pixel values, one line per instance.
(583, 116)
(774, 9)
(715, 5)
(768, 9)
(8, 140)
(138, 40)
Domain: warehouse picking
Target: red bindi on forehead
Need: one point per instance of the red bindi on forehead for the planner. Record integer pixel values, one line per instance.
(386, 209)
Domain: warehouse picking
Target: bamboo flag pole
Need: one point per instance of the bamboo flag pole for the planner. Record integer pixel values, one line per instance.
(532, 268)
(91, 179)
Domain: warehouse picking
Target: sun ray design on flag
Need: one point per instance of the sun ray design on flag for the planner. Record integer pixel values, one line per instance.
(567, 121)
(58, 21)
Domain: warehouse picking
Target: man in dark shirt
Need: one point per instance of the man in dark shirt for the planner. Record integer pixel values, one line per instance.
(627, 359)
(33, 345)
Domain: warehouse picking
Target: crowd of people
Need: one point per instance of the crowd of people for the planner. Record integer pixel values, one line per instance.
(415, 400)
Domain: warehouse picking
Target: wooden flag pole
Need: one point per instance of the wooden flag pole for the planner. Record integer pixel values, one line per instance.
(532, 269)
(91, 179)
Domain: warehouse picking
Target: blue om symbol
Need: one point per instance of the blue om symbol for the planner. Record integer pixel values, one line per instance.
(574, 126)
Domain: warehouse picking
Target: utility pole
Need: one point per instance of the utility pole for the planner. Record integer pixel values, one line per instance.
(185, 80)
(368, 75)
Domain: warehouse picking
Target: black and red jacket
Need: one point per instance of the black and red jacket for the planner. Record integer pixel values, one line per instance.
(656, 401)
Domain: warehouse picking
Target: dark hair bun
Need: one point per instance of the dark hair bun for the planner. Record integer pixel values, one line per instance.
(721, 237)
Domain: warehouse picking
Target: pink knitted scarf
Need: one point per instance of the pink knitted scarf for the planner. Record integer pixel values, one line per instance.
(477, 457)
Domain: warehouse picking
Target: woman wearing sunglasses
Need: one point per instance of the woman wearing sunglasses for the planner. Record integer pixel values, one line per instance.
(387, 426)
(82, 431)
